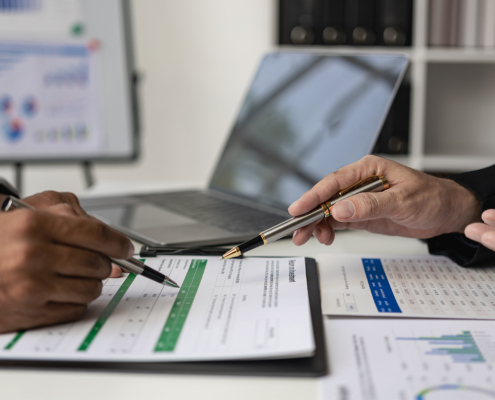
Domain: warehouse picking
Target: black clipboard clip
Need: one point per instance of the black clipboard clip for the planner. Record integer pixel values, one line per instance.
(153, 251)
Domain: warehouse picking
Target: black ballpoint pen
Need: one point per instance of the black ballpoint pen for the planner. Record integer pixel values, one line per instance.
(131, 265)
(324, 210)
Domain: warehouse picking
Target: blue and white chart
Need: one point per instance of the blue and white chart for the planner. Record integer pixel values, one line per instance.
(422, 359)
(406, 286)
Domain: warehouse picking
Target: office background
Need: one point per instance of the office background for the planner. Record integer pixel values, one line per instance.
(196, 60)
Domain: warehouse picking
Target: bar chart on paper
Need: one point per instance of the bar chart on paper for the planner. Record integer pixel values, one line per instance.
(420, 359)
(426, 286)
(224, 309)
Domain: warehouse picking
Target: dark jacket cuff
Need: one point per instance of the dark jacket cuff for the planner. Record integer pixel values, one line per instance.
(456, 246)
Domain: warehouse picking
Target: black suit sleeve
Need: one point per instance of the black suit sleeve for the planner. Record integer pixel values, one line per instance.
(7, 188)
(457, 247)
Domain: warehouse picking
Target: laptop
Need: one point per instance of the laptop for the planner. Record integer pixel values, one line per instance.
(304, 116)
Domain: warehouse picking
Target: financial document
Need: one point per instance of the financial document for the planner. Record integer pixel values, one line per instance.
(225, 309)
(421, 359)
(407, 286)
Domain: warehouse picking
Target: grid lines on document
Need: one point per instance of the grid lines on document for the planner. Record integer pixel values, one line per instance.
(53, 336)
(137, 317)
(14, 340)
(222, 306)
(440, 287)
(182, 305)
(107, 312)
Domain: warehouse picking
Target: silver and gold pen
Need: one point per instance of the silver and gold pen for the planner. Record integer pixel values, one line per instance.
(132, 265)
(372, 183)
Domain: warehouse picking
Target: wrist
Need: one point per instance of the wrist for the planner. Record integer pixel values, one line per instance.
(466, 208)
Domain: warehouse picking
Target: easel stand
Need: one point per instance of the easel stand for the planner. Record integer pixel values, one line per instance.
(87, 171)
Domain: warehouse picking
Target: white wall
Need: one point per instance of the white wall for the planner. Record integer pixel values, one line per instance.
(196, 58)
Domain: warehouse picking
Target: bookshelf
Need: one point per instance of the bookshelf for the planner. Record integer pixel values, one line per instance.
(452, 124)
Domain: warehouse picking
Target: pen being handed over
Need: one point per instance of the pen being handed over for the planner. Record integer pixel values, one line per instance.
(324, 210)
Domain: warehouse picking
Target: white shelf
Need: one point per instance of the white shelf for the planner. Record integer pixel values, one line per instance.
(452, 100)
(442, 163)
(450, 55)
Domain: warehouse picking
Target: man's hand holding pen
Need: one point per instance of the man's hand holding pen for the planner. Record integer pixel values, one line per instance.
(52, 261)
(416, 205)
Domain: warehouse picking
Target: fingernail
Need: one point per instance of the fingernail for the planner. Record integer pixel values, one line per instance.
(295, 234)
(344, 210)
(131, 250)
(473, 236)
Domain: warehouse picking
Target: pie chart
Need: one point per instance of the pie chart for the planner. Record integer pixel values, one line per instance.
(455, 392)
(13, 130)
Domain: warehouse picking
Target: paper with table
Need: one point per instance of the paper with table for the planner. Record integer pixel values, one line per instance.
(420, 359)
(225, 309)
(405, 286)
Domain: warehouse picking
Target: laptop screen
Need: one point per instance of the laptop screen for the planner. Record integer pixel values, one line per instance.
(305, 116)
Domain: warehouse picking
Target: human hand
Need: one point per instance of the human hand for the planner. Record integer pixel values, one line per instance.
(483, 233)
(50, 198)
(416, 205)
(66, 203)
(51, 265)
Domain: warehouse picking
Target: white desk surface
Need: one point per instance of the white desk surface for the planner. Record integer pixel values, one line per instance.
(42, 385)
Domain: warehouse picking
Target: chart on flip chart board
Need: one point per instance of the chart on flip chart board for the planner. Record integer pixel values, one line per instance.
(224, 309)
(408, 286)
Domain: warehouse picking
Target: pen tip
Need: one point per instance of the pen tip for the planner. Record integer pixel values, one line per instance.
(234, 252)
(170, 282)
(221, 258)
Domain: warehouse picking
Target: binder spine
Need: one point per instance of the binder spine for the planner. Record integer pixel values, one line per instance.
(394, 22)
(297, 21)
(360, 22)
(332, 30)
(346, 22)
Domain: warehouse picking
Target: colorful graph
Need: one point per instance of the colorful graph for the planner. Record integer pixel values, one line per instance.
(19, 5)
(5, 105)
(13, 130)
(30, 106)
(77, 74)
(470, 392)
(461, 348)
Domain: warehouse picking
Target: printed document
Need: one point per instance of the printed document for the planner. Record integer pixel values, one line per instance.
(421, 359)
(225, 309)
(405, 286)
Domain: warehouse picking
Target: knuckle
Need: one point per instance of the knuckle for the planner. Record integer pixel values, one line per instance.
(372, 159)
(67, 208)
(71, 198)
(101, 232)
(98, 265)
(53, 196)
(370, 205)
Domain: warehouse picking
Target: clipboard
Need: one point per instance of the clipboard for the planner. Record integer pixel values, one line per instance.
(313, 366)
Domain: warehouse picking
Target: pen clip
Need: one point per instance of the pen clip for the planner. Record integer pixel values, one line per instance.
(357, 185)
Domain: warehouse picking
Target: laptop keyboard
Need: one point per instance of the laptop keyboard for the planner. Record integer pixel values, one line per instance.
(200, 206)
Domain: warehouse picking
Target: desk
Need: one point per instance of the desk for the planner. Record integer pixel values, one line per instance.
(40, 385)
